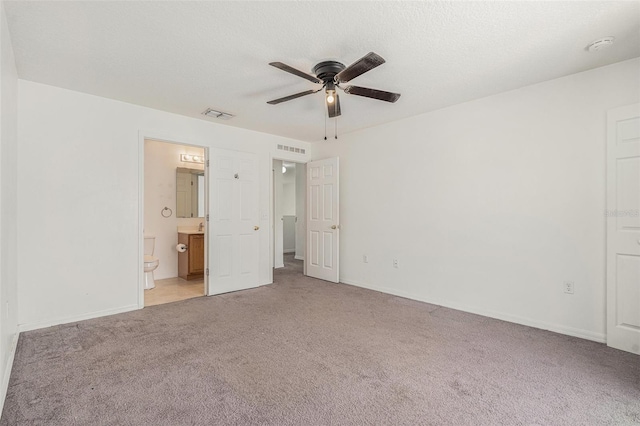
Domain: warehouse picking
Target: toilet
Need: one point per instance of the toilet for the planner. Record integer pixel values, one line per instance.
(150, 263)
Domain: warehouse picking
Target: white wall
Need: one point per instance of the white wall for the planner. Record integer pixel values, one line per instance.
(488, 205)
(289, 234)
(79, 182)
(289, 191)
(160, 163)
(8, 205)
(289, 199)
(289, 209)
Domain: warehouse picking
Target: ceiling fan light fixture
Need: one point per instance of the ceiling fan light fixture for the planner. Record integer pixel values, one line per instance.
(330, 74)
(331, 96)
(331, 92)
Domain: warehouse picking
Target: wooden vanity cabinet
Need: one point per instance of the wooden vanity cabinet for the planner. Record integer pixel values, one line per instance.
(191, 262)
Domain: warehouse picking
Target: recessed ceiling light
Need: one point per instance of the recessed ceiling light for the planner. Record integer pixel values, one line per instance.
(601, 43)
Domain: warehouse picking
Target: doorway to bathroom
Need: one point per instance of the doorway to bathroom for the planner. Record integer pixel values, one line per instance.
(289, 220)
(174, 222)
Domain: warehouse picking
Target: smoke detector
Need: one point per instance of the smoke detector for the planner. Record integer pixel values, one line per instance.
(600, 44)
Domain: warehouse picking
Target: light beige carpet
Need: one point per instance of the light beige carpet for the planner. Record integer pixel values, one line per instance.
(307, 352)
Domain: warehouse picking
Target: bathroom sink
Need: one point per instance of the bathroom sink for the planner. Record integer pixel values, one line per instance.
(189, 230)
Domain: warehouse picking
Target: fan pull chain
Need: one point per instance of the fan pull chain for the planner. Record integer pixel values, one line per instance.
(325, 126)
(336, 129)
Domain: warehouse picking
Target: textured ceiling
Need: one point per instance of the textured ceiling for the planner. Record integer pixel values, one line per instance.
(183, 57)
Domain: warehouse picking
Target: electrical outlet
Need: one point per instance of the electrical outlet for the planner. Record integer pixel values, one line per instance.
(396, 263)
(365, 258)
(568, 287)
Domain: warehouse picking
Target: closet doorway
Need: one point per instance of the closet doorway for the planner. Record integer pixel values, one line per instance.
(288, 213)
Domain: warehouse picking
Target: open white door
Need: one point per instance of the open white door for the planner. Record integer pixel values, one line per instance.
(233, 225)
(623, 228)
(322, 257)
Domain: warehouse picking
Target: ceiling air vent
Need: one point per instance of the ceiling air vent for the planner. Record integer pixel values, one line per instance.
(292, 149)
(217, 114)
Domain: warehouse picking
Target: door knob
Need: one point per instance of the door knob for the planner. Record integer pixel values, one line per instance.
(255, 228)
(333, 227)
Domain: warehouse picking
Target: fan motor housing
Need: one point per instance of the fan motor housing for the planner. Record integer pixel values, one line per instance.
(327, 70)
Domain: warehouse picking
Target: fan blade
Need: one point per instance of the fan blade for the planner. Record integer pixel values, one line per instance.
(288, 98)
(287, 68)
(334, 108)
(372, 93)
(362, 65)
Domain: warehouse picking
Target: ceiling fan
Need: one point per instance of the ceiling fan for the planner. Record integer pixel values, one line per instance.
(331, 74)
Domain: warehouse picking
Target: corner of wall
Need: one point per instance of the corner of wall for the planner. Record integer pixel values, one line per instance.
(6, 373)
(8, 205)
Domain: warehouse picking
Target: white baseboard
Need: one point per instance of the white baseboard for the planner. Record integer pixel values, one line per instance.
(7, 369)
(296, 257)
(557, 328)
(82, 317)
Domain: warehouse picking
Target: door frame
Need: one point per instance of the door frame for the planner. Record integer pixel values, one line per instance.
(272, 211)
(175, 140)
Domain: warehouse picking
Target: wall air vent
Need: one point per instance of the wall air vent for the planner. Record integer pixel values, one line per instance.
(217, 114)
(292, 149)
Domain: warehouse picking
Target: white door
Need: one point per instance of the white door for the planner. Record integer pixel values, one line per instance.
(623, 228)
(233, 225)
(322, 220)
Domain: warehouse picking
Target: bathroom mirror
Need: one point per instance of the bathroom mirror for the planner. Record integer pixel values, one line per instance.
(189, 192)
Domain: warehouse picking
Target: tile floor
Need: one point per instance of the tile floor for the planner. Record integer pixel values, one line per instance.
(172, 290)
